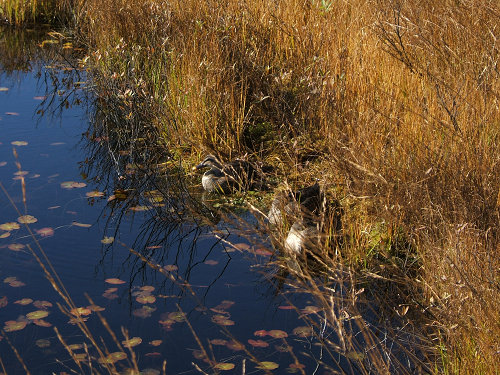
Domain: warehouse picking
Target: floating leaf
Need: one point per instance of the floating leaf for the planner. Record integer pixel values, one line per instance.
(42, 323)
(155, 342)
(10, 226)
(4, 89)
(39, 97)
(3, 163)
(24, 301)
(286, 307)
(263, 252)
(130, 343)
(114, 281)
(225, 366)
(107, 240)
(81, 224)
(72, 185)
(113, 357)
(75, 346)
(267, 365)
(95, 308)
(258, 343)
(5, 235)
(297, 366)
(222, 320)
(45, 232)
(42, 343)
(303, 331)
(261, 333)
(39, 314)
(242, 246)
(13, 282)
(16, 246)
(177, 316)
(19, 143)
(146, 299)
(211, 262)
(57, 143)
(278, 334)
(170, 267)
(21, 173)
(234, 345)
(12, 114)
(42, 304)
(12, 325)
(79, 311)
(139, 208)
(27, 219)
(94, 194)
(144, 312)
(310, 310)
(3, 301)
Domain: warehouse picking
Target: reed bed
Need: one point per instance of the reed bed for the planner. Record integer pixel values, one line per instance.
(393, 105)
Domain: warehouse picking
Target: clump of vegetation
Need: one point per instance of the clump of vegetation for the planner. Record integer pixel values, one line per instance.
(54, 12)
(393, 105)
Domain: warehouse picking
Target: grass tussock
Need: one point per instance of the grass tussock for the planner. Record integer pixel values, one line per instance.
(54, 12)
(393, 105)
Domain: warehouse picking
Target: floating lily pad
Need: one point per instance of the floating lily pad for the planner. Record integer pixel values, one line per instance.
(107, 240)
(5, 235)
(12, 325)
(42, 323)
(114, 281)
(113, 357)
(27, 219)
(18, 143)
(94, 194)
(155, 342)
(9, 226)
(42, 304)
(211, 262)
(139, 208)
(267, 365)
(146, 299)
(39, 314)
(258, 343)
(16, 246)
(130, 343)
(218, 342)
(45, 232)
(278, 334)
(82, 225)
(24, 301)
(4, 301)
(303, 331)
(224, 366)
(72, 185)
(261, 333)
(42, 343)
(234, 345)
(79, 311)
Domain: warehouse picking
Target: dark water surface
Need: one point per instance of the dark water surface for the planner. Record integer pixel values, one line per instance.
(219, 290)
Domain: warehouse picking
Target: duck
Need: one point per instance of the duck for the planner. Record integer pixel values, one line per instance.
(305, 201)
(303, 234)
(227, 178)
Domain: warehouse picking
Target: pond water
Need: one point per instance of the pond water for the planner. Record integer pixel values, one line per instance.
(170, 282)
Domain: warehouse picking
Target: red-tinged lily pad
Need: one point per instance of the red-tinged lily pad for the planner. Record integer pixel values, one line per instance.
(3, 163)
(310, 310)
(42, 323)
(139, 208)
(39, 314)
(304, 331)
(27, 219)
(218, 342)
(263, 252)
(4, 89)
(261, 333)
(107, 240)
(16, 246)
(5, 235)
(146, 299)
(114, 281)
(45, 232)
(18, 143)
(267, 365)
(113, 357)
(13, 282)
(144, 312)
(155, 342)
(94, 194)
(95, 308)
(24, 301)
(13, 114)
(39, 97)
(4, 301)
(222, 320)
(12, 325)
(72, 185)
(242, 246)
(297, 366)
(286, 307)
(211, 262)
(170, 267)
(130, 343)
(224, 366)
(81, 225)
(258, 343)
(42, 343)
(79, 311)
(147, 288)
(235, 346)
(42, 304)
(177, 316)
(9, 226)
(278, 334)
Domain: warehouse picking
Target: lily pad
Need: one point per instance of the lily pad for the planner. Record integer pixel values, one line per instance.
(39, 314)
(72, 185)
(278, 334)
(19, 143)
(45, 232)
(114, 281)
(27, 219)
(12, 325)
(107, 240)
(146, 299)
(24, 301)
(224, 366)
(267, 365)
(130, 343)
(9, 226)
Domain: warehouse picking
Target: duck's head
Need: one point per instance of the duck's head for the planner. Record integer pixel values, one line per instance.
(210, 161)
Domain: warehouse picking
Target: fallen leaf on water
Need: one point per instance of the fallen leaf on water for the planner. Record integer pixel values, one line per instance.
(130, 343)
(3, 301)
(57, 143)
(278, 334)
(39, 314)
(155, 342)
(144, 312)
(310, 310)
(211, 262)
(78, 311)
(107, 240)
(12, 325)
(16, 246)
(9, 226)
(42, 343)
(19, 143)
(81, 225)
(286, 307)
(297, 366)
(39, 97)
(303, 331)
(114, 281)
(42, 323)
(5, 235)
(170, 267)
(3, 163)
(236, 346)
(267, 365)
(45, 232)
(27, 219)
(94, 194)
(95, 308)
(261, 333)
(42, 304)
(139, 208)
(146, 299)
(24, 301)
(263, 252)
(113, 357)
(177, 316)
(224, 366)
(72, 185)
(21, 173)
(258, 343)
(218, 342)
(4, 89)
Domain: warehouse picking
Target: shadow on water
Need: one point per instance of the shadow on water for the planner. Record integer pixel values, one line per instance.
(189, 282)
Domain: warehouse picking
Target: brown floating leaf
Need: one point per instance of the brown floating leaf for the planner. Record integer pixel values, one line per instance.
(278, 334)
(211, 262)
(24, 301)
(3, 163)
(234, 345)
(261, 333)
(155, 342)
(4, 89)
(266, 365)
(39, 314)
(139, 208)
(114, 281)
(130, 343)
(218, 342)
(42, 343)
(16, 246)
(5, 235)
(17, 143)
(170, 267)
(95, 308)
(72, 185)
(94, 194)
(107, 240)
(42, 304)
(224, 366)
(42, 323)
(3, 301)
(45, 232)
(113, 357)
(304, 331)
(9, 226)
(144, 312)
(12, 325)
(81, 224)
(258, 343)
(27, 219)
(78, 311)
(146, 299)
